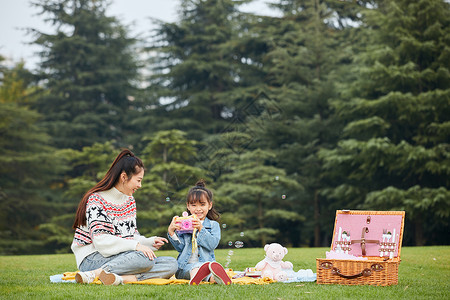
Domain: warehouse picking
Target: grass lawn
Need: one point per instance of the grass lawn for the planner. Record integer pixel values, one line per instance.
(424, 273)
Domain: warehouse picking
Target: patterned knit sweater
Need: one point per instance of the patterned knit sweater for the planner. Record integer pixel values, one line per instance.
(110, 226)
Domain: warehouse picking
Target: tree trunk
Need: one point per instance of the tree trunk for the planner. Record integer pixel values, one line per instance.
(316, 220)
(418, 231)
(165, 161)
(260, 221)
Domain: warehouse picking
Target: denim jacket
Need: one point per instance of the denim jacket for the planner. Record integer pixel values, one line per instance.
(207, 240)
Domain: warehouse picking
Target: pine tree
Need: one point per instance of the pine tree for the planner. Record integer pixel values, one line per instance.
(87, 68)
(28, 165)
(170, 160)
(304, 63)
(86, 168)
(254, 195)
(394, 153)
(196, 69)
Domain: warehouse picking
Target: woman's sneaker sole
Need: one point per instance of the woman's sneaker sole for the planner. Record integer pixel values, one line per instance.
(109, 278)
(84, 277)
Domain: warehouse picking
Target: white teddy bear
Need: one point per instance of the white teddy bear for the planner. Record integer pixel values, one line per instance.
(272, 266)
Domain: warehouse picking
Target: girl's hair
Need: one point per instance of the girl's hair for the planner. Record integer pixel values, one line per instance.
(195, 195)
(126, 162)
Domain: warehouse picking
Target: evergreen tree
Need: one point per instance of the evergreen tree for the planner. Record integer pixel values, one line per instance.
(87, 167)
(87, 69)
(254, 196)
(195, 69)
(28, 165)
(170, 161)
(395, 151)
(304, 63)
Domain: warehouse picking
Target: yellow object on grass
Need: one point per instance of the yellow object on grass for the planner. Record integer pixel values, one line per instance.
(71, 276)
(173, 280)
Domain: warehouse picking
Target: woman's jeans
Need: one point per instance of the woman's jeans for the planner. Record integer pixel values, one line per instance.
(131, 263)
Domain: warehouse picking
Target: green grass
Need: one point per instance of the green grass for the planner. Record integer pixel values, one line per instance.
(424, 273)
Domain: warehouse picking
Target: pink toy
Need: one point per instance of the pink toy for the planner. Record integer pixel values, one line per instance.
(272, 266)
(186, 223)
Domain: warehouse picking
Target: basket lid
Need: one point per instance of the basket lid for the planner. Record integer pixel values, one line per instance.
(368, 233)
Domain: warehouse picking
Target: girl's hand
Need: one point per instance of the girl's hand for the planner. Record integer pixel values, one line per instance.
(159, 241)
(173, 226)
(197, 224)
(146, 250)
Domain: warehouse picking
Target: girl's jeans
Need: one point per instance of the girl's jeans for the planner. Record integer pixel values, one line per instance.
(131, 263)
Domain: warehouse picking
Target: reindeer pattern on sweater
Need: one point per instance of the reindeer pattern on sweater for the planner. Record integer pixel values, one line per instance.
(103, 217)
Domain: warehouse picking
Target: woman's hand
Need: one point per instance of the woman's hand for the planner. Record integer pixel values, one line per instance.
(159, 241)
(173, 226)
(146, 250)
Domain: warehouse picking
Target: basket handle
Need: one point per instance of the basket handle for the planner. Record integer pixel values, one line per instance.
(366, 273)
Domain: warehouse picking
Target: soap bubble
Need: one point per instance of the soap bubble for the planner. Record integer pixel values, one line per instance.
(242, 234)
(283, 197)
(230, 254)
(239, 244)
(224, 225)
(228, 261)
(277, 178)
(167, 199)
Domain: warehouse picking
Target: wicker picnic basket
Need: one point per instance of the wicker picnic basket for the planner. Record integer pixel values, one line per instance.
(381, 248)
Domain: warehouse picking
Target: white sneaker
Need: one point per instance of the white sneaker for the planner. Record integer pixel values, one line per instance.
(110, 278)
(85, 277)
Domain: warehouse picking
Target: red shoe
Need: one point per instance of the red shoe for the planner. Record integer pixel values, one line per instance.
(220, 275)
(202, 272)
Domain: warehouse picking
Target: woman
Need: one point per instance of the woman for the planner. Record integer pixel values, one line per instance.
(107, 243)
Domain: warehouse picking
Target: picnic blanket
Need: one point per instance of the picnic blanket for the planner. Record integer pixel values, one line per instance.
(70, 277)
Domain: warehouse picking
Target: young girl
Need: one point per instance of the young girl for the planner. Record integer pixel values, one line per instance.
(107, 244)
(196, 260)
